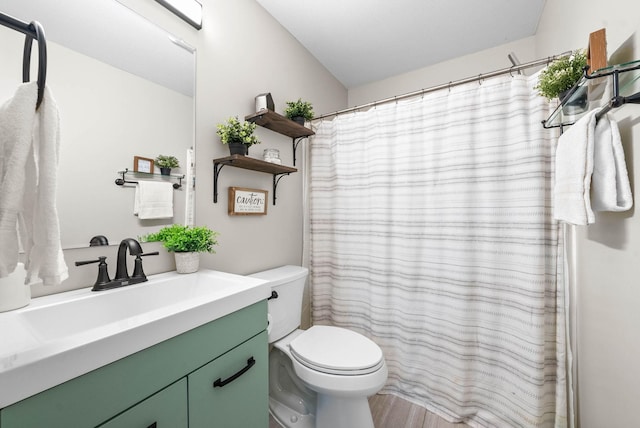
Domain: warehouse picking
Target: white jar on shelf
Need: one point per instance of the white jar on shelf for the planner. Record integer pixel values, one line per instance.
(272, 156)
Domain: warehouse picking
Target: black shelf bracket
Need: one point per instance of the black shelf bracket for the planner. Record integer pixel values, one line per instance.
(296, 141)
(276, 180)
(216, 171)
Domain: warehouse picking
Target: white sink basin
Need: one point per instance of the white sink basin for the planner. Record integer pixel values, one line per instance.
(61, 336)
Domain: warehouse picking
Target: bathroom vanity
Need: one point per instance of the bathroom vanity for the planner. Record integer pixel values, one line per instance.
(193, 354)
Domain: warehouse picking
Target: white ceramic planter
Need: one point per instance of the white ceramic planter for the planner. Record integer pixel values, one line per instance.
(187, 262)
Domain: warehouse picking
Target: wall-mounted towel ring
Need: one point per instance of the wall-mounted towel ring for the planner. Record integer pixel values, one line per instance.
(42, 59)
(33, 31)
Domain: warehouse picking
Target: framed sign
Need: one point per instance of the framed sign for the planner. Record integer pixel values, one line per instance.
(244, 201)
(141, 164)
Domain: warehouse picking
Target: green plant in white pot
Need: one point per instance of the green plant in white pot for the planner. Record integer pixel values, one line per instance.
(187, 242)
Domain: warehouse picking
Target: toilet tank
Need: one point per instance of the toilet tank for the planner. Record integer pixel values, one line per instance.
(285, 311)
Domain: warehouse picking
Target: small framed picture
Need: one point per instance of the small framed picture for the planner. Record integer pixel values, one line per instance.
(244, 201)
(141, 164)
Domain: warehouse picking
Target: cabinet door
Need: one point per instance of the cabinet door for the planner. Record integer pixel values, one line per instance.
(232, 391)
(165, 409)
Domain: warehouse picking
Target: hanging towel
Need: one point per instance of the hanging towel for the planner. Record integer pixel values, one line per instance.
(153, 200)
(610, 189)
(29, 144)
(574, 166)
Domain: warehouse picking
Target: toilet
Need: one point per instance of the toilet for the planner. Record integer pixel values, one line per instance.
(320, 377)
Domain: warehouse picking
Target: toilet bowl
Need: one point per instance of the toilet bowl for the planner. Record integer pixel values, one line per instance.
(320, 377)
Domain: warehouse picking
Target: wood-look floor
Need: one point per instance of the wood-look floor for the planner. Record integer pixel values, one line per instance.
(389, 411)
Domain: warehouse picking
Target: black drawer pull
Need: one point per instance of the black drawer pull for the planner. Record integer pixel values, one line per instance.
(219, 382)
(153, 425)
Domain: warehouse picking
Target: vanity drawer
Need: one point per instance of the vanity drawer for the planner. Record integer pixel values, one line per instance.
(232, 391)
(165, 409)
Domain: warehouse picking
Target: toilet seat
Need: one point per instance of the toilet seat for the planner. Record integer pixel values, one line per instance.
(336, 351)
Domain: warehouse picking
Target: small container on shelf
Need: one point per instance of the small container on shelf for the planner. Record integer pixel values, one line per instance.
(272, 156)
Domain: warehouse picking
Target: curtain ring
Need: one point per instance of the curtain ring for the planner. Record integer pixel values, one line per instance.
(511, 71)
(450, 82)
(480, 79)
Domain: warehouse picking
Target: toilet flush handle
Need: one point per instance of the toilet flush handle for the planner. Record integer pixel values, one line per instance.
(274, 295)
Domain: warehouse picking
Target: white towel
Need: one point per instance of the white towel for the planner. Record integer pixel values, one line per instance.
(153, 200)
(610, 189)
(574, 166)
(29, 147)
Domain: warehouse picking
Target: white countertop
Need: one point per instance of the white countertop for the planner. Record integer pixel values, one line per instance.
(59, 337)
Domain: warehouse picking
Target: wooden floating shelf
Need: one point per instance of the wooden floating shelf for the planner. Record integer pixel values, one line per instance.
(244, 162)
(278, 123)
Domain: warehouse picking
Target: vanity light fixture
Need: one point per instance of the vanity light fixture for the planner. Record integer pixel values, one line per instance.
(189, 10)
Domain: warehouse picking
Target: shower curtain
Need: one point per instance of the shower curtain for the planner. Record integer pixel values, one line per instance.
(431, 232)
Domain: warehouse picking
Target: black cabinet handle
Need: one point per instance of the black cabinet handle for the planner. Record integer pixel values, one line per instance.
(153, 425)
(220, 383)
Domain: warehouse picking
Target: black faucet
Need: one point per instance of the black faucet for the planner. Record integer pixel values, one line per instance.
(134, 249)
(122, 275)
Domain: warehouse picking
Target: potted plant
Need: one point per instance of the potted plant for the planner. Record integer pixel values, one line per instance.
(165, 163)
(561, 75)
(239, 136)
(186, 242)
(299, 111)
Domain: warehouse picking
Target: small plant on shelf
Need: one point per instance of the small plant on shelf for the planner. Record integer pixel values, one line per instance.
(165, 163)
(239, 136)
(561, 75)
(299, 111)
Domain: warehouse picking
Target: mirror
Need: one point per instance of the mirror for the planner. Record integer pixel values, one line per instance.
(124, 87)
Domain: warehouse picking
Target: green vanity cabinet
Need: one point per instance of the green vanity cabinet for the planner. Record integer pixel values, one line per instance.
(170, 379)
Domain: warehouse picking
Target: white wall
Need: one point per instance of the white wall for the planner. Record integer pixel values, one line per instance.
(242, 53)
(607, 254)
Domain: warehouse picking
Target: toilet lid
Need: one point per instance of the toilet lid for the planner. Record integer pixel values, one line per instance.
(336, 350)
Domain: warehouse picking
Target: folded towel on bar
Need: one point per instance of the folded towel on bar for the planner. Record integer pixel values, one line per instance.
(591, 174)
(574, 166)
(610, 189)
(29, 152)
(153, 200)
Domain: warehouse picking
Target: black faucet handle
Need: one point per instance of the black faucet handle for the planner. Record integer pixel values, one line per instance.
(138, 272)
(86, 262)
(103, 272)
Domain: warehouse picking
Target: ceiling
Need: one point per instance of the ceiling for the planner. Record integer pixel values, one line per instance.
(362, 41)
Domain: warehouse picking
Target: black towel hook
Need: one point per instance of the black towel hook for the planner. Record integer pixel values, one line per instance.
(42, 59)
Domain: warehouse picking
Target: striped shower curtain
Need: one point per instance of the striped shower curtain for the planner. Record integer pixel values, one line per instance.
(431, 232)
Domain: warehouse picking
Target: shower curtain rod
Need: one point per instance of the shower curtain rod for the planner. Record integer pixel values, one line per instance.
(510, 70)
